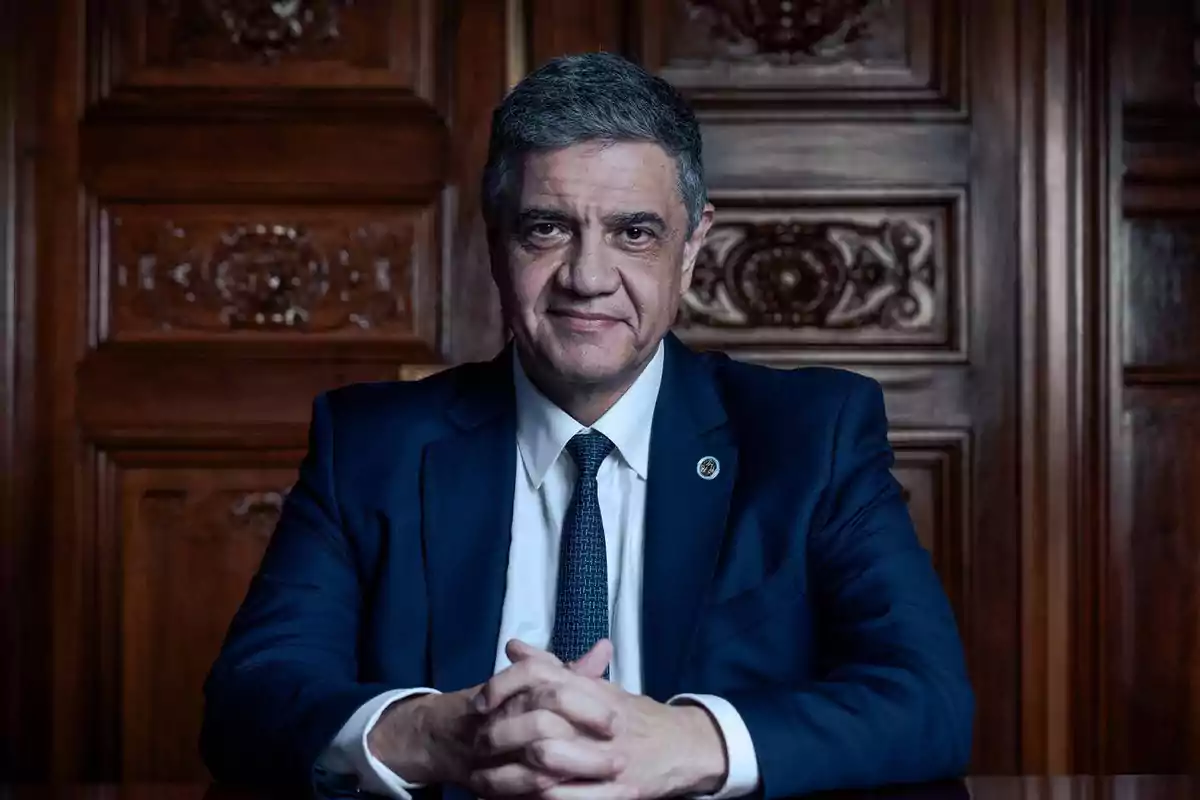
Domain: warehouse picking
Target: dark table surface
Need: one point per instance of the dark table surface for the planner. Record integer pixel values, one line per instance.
(1120, 787)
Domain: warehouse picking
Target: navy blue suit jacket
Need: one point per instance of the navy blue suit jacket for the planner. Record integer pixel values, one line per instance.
(792, 584)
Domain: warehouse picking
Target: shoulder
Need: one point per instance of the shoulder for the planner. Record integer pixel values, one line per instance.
(756, 390)
(378, 431)
(409, 408)
(405, 397)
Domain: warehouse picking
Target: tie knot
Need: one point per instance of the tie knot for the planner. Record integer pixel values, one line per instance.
(589, 451)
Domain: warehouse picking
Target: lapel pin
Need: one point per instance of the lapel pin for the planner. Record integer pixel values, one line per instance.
(708, 468)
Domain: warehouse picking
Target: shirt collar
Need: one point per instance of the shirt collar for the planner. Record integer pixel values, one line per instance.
(543, 429)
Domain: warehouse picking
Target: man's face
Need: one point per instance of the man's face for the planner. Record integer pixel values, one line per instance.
(593, 265)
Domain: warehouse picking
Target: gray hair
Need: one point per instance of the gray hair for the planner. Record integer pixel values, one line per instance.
(592, 97)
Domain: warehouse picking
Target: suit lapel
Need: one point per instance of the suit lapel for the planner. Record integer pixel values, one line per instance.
(685, 513)
(467, 494)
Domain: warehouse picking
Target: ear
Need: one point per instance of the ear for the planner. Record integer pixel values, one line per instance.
(693, 246)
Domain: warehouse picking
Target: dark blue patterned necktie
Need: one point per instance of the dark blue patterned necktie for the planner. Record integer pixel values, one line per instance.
(581, 614)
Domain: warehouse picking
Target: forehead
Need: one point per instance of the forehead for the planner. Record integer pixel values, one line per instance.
(597, 177)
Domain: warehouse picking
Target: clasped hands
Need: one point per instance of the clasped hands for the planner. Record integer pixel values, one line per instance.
(546, 729)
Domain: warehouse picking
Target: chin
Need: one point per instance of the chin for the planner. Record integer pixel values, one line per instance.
(587, 366)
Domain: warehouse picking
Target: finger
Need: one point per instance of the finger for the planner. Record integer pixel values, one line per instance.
(518, 651)
(581, 702)
(591, 790)
(510, 779)
(516, 733)
(514, 680)
(594, 662)
(574, 759)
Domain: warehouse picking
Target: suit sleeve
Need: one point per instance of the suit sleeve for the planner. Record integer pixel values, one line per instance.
(892, 702)
(286, 680)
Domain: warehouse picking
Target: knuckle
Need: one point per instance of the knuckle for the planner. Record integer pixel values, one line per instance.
(540, 753)
(490, 737)
(551, 697)
(544, 723)
(513, 706)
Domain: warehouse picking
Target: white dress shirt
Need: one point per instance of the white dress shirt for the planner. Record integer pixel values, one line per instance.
(545, 482)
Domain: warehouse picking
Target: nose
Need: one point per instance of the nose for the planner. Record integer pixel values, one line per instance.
(590, 270)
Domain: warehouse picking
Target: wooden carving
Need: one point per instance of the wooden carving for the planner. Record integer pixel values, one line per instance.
(261, 276)
(257, 45)
(785, 27)
(787, 34)
(792, 54)
(257, 512)
(827, 275)
(259, 29)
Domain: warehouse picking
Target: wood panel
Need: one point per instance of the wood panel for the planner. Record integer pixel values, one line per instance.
(1156, 66)
(1154, 604)
(308, 43)
(202, 273)
(859, 156)
(24, 592)
(858, 56)
(191, 539)
(932, 467)
(1162, 293)
(771, 155)
(249, 204)
(874, 278)
(283, 160)
(1149, 658)
(1152, 658)
(1037, 347)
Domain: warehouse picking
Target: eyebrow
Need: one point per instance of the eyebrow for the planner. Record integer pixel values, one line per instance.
(616, 220)
(538, 214)
(635, 218)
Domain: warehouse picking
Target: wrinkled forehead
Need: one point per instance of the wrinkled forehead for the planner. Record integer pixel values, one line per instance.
(595, 179)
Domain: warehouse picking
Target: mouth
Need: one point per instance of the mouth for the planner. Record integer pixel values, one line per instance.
(583, 320)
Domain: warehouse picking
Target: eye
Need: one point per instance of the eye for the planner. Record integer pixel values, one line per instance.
(637, 235)
(542, 229)
(543, 234)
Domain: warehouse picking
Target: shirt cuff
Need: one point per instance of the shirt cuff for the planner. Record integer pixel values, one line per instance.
(742, 778)
(348, 753)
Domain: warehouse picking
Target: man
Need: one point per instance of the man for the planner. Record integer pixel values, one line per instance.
(600, 565)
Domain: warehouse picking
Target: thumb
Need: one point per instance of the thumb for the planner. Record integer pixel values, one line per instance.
(518, 651)
(593, 663)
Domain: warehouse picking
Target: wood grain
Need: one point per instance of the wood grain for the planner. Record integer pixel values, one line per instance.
(24, 555)
(1147, 661)
(249, 210)
(1042, 390)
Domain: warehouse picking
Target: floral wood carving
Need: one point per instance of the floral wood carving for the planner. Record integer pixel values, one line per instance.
(263, 277)
(815, 274)
(208, 513)
(787, 28)
(262, 29)
(257, 512)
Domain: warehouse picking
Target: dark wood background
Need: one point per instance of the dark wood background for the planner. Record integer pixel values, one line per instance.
(211, 210)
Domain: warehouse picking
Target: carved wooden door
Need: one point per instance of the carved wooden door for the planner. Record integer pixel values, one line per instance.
(249, 203)
(1147, 536)
(861, 155)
